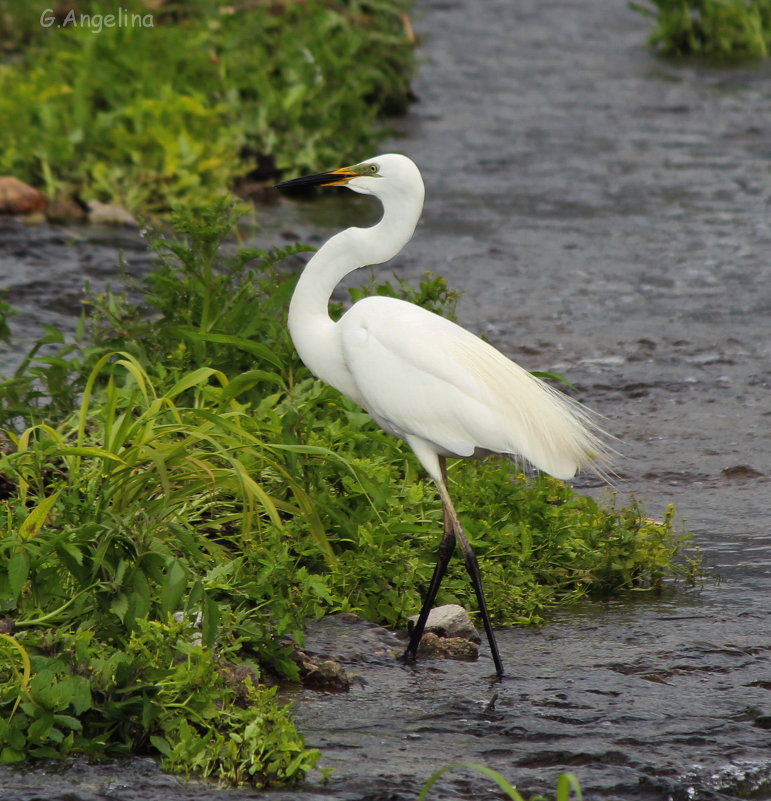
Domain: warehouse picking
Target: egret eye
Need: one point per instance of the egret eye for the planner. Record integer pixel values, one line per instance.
(373, 169)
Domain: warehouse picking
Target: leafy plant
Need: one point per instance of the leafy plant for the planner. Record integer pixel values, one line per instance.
(179, 110)
(78, 694)
(723, 30)
(432, 293)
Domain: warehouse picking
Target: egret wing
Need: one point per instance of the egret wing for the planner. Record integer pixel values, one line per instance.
(421, 375)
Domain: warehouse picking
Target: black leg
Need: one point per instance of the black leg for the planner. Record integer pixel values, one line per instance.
(476, 578)
(472, 566)
(446, 547)
(452, 529)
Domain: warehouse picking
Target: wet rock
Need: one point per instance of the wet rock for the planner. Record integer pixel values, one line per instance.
(16, 197)
(329, 675)
(740, 472)
(109, 214)
(65, 209)
(236, 677)
(450, 620)
(449, 634)
(324, 674)
(346, 638)
(433, 646)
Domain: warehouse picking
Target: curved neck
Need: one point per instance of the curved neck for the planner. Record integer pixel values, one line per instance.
(310, 325)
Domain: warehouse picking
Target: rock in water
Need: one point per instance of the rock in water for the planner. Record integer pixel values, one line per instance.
(437, 647)
(450, 620)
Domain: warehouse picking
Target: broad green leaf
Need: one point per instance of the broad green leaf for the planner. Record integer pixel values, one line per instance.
(18, 571)
(87, 450)
(161, 744)
(120, 605)
(37, 517)
(247, 380)
(199, 376)
(9, 755)
(141, 598)
(69, 722)
(173, 587)
(81, 700)
(40, 728)
(211, 619)
(255, 348)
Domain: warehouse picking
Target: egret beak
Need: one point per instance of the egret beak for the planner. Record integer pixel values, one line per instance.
(330, 178)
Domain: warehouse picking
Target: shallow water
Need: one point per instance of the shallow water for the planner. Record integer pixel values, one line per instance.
(607, 215)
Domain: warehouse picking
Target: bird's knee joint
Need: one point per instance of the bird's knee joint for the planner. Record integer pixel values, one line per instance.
(446, 547)
(471, 560)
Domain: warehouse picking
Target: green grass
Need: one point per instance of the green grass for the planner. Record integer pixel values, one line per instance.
(567, 783)
(211, 94)
(178, 459)
(724, 31)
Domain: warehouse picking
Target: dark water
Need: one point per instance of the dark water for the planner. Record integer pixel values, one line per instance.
(608, 216)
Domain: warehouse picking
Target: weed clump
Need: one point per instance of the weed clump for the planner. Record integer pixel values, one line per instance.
(719, 30)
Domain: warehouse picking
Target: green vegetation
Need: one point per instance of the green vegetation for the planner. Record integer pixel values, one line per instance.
(720, 30)
(210, 93)
(157, 687)
(567, 783)
(178, 495)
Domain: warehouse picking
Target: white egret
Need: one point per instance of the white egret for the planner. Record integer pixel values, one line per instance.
(425, 379)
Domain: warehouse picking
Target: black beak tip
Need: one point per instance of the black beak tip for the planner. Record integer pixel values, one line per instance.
(304, 184)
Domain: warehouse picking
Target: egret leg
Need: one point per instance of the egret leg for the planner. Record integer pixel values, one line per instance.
(453, 530)
(472, 567)
(446, 547)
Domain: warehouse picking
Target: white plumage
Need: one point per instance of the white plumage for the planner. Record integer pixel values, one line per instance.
(423, 378)
(455, 391)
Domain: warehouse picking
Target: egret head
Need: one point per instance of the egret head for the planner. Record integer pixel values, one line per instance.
(377, 176)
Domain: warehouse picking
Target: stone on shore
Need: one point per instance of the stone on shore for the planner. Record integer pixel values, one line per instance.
(16, 197)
